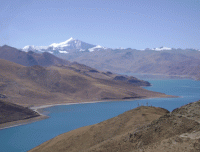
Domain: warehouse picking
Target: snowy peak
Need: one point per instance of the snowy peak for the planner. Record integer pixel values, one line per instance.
(98, 47)
(62, 44)
(67, 46)
(27, 48)
(34, 48)
(169, 49)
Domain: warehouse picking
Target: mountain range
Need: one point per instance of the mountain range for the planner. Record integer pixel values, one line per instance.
(65, 47)
(33, 79)
(162, 60)
(74, 44)
(29, 58)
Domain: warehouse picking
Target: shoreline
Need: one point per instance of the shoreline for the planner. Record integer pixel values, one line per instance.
(22, 122)
(168, 75)
(36, 108)
(38, 118)
(42, 116)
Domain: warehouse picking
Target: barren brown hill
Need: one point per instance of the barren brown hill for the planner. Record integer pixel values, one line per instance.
(147, 129)
(11, 112)
(38, 85)
(29, 58)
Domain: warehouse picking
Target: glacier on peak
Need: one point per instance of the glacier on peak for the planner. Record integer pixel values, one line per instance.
(82, 50)
(64, 52)
(161, 48)
(62, 44)
(33, 48)
(67, 46)
(96, 47)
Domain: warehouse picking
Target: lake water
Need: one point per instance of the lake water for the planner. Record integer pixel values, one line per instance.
(69, 117)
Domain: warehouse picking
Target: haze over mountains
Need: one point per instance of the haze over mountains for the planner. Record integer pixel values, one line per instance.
(163, 60)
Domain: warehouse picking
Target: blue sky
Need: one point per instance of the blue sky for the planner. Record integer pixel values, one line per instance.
(136, 24)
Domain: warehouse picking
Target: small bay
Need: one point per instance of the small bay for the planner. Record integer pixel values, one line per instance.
(69, 117)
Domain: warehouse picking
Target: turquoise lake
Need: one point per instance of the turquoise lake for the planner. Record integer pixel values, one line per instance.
(69, 117)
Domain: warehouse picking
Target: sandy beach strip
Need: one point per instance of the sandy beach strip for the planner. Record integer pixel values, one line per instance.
(34, 119)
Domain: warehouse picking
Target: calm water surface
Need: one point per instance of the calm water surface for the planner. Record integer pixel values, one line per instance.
(69, 117)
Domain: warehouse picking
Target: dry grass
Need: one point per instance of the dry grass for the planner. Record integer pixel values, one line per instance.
(37, 85)
(104, 134)
(147, 129)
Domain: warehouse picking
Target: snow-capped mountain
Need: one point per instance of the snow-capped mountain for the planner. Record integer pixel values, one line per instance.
(161, 48)
(76, 47)
(65, 47)
(96, 48)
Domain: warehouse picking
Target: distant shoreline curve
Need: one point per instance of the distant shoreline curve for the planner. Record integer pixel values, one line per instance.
(42, 116)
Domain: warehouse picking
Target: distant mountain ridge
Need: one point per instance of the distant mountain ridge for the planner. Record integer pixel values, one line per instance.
(74, 44)
(29, 58)
(162, 60)
(64, 47)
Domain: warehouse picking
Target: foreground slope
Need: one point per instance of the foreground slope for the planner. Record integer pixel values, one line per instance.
(141, 129)
(38, 85)
(95, 136)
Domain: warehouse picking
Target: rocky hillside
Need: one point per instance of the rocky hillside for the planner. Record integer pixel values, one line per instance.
(142, 129)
